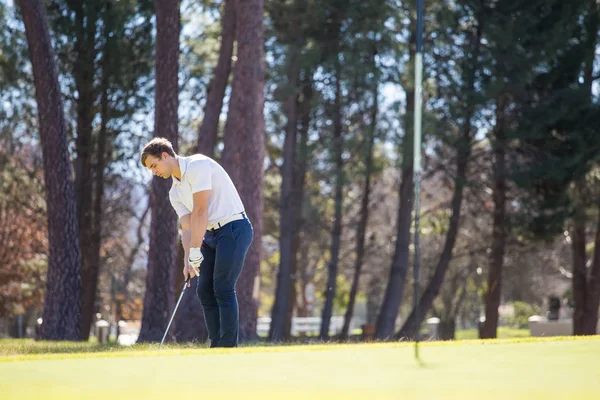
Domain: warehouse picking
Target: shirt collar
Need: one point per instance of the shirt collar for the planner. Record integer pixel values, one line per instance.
(183, 163)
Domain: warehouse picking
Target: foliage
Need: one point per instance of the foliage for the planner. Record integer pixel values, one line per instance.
(522, 311)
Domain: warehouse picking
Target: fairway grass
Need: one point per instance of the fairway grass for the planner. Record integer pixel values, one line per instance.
(553, 368)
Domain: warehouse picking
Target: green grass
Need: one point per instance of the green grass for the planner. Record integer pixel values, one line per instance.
(22, 348)
(524, 368)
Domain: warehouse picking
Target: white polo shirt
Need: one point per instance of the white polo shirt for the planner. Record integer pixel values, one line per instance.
(198, 173)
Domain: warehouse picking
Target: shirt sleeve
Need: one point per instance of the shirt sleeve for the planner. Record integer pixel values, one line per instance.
(199, 175)
(180, 209)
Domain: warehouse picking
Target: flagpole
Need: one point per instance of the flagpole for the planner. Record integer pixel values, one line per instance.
(417, 163)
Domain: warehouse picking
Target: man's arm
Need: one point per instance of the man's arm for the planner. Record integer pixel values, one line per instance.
(199, 218)
(186, 235)
(199, 223)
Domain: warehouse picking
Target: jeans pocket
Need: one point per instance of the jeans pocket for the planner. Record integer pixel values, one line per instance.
(241, 229)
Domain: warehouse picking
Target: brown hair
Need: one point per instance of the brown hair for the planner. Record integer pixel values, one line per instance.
(156, 147)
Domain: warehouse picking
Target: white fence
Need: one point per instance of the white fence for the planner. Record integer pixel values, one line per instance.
(541, 326)
(308, 325)
(300, 325)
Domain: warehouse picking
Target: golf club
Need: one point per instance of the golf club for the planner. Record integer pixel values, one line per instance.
(174, 311)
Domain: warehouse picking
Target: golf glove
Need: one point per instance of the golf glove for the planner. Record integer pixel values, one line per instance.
(195, 258)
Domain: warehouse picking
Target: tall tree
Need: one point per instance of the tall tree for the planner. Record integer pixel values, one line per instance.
(388, 312)
(86, 17)
(299, 268)
(162, 256)
(460, 138)
(336, 230)
(287, 216)
(514, 93)
(361, 229)
(62, 305)
(207, 135)
(244, 151)
(92, 267)
(285, 293)
(104, 50)
(586, 284)
(499, 223)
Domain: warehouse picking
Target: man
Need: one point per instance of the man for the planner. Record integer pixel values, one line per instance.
(216, 233)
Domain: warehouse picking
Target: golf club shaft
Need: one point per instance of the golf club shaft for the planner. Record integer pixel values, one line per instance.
(174, 311)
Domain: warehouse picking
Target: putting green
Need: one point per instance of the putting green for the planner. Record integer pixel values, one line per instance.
(566, 368)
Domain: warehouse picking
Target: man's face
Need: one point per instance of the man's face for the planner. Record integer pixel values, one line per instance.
(159, 166)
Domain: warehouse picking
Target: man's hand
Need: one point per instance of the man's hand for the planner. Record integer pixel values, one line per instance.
(195, 259)
(188, 271)
(191, 267)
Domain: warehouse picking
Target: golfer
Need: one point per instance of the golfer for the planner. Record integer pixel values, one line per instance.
(216, 232)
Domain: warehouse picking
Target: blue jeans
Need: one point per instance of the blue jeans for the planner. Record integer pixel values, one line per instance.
(224, 252)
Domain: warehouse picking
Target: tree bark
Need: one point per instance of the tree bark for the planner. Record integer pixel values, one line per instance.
(592, 289)
(162, 255)
(499, 229)
(364, 214)
(336, 232)
(300, 266)
(394, 292)
(244, 152)
(209, 129)
(86, 17)
(285, 278)
(450, 305)
(411, 326)
(62, 304)
(92, 270)
(386, 319)
(579, 280)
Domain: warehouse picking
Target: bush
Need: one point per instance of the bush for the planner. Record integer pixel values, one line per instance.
(522, 312)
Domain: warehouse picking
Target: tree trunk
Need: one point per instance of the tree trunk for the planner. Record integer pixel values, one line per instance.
(451, 306)
(244, 152)
(162, 254)
(386, 320)
(579, 280)
(447, 328)
(305, 309)
(83, 72)
(592, 290)
(285, 278)
(374, 290)
(336, 232)
(94, 231)
(207, 135)
(411, 327)
(299, 262)
(62, 304)
(593, 287)
(499, 229)
(92, 270)
(364, 215)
